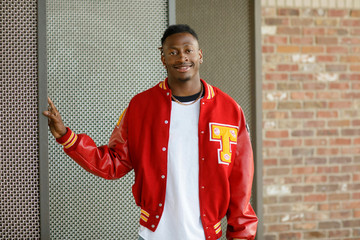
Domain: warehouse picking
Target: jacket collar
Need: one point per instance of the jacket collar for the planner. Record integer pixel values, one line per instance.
(209, 90)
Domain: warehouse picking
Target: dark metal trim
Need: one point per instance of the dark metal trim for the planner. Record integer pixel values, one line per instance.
(258, 116)
(43, 128)
(172, 11)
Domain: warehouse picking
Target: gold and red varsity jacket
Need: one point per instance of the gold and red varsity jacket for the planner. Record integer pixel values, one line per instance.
(140, 142)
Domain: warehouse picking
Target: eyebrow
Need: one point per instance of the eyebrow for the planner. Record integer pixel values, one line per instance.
(186, 45)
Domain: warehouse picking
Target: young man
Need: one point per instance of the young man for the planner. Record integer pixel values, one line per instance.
(188, 145)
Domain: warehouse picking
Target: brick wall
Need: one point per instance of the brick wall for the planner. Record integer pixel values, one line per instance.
(311, 119)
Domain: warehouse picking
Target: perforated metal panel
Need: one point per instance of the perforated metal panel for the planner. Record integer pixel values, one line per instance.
(100, 54)
(226, 36)
(19, 166)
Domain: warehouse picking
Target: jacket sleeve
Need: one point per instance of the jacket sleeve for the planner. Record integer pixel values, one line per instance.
(241, 218)
(110, 161)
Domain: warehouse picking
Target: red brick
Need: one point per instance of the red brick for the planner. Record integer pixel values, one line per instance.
(288, 49)
(270, 162)
(312, 104)
(339, 234)
(302, 95)
(326, 58)
(276, 21)
(302, 21)
(302, 189)
(355, 68)
(312, 49)
(329, 206)
(335, 68)
(350, 132)
(289, 105)
(277, 134)
(315, 198)
(350, 22)
(327, 188)
(278, 228)
(350, 40)
(351, 205)
(350, 150)
(302, 133)
(355, 86)
(303, 170)
(327, 132)
(288, 86)
(339, 178)
(290, 143)
(327, 95)
(301, 77)
(327, 114)
(355, 50)
(314, 124)
(268, 86)
(350, 168)
(301, 40)
(291, 161)
(302, 114)
(268, 49)
(268, 11)
(292, 180)
(277, 171)
(268, 105)
(314, 31)
(276, 76)
(327, 151)
(302, 152)
(315, 142)
(276, 40)
(340, 141)
(356, 122)
(288, 12)
(357, 141)
(340, 104)
(340, 160)
(357, 214)
(351, 76)
(339, 86)
(337, 49)
(288, 30)
(277, 115)
(326, 40)
(290, 236)
(350, 59)
(269, 143)
(290, 199)
(304, 226)
(314, 86)
(337, 13)
(315, 179)
(339, 123)
(355, 31)
(339, 196)
(333, 169)
(329, 224)
(351, 95)
(287, 67)
(337, 31)
(354, 223)
(355, 13)
(326, 22)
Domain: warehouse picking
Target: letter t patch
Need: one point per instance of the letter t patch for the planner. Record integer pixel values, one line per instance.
(226, 135)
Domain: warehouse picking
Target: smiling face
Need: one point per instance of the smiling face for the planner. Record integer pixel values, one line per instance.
(182, 57)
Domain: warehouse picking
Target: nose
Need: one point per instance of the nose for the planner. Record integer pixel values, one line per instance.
(182, 56)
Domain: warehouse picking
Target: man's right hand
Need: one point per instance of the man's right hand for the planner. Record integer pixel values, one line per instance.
(55, 123)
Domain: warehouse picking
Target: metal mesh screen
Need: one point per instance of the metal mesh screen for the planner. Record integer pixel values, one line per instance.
(100, 54)
(19, 166)
(225, 30)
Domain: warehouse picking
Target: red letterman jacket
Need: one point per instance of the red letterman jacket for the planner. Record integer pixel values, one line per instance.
(140, 140)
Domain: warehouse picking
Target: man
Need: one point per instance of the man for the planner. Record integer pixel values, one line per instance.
(188, 145)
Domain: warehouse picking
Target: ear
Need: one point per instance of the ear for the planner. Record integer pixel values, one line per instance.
(163, 60)
(201, 56)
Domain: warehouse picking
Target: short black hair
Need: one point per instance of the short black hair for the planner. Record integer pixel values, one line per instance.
(178, 28)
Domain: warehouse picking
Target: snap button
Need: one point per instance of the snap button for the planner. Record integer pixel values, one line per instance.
(166, 121)
(164, 149)
(202, 132)
(153, 226)
(162, 176)
(168, 93)
(160, 205)
(203, 159)
(202, 187)
(157, 216)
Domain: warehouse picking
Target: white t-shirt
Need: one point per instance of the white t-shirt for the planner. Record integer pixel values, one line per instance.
(181, 216)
